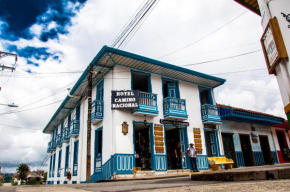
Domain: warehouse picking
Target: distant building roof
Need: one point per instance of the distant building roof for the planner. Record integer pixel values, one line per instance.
(228, 112)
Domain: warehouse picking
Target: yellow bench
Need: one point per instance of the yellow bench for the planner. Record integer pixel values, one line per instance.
(215, 162)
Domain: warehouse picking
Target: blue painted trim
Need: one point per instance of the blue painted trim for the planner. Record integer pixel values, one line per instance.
(74, 182)
(57, 182)
(66, 160)
(258, 157)
(53, 165)
(124, 163)
(82, 182)
(240, 159)
(275, 157)
(227, 113)
(202, 162)
(64, 182)
(50, 182)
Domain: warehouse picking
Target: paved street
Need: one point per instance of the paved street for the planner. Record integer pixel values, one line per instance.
(173, 184)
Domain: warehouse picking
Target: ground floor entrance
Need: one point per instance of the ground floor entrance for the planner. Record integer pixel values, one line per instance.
(173, 136)
(246, 150)
(265, 147)
(211, 140)
(229, 148)
(143, 154)
(284, 150)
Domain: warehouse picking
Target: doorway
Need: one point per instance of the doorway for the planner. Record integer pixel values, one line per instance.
(143, 147)
(173, 137)
(211, 143)
(282, 144)
(265, 147)
(247, 150)
(229, 148)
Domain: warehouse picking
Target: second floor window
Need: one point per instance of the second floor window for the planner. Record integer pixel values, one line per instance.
(205, 96)
(141, 82)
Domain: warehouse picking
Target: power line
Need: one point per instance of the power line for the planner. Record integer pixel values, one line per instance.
(222, 58)
(31, 108)
(239, 71)
(212, 51)
(203, 36)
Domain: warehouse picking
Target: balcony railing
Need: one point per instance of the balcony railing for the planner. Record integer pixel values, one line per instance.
(210, 114)
(65, 135)
(174, 108)
(147, 104)
(74, 128)
(58, 140)
(97, 111)
(53, 145)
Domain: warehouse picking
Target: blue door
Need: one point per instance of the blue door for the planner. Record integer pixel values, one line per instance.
(183, 145)
(212, 144)
(172, 90)
(98, 150)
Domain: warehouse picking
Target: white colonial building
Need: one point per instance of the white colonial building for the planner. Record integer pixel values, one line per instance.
(141, 109)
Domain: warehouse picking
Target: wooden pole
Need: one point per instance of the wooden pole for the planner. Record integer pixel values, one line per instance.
(90, 86)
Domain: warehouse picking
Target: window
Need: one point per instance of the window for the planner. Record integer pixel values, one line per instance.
(50, 166)
(141, 82)
(76, 152)
(53, 165)
(205, 96)
(66, 160)
(170, 89)
(59, 164)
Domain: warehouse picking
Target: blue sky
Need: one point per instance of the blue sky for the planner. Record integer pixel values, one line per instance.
(19, 16)
(56, 36)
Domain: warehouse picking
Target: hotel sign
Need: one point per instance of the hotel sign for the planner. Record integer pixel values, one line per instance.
(128, 99)
(273, 45)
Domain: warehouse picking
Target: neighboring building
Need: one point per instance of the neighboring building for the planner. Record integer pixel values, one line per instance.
(275, 20)
(121, 138)
(247, 136)
(281, 138)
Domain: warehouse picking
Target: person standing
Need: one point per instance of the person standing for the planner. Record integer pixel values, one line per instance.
(178, 155)
(192, 157)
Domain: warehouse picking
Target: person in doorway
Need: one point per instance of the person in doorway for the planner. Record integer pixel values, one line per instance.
(192, 157)
(178, 155)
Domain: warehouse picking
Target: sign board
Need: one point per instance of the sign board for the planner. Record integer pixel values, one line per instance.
(128, 99)
(273, 45)
(172, 122)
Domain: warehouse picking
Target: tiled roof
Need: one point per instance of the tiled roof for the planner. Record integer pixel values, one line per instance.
(248, 111)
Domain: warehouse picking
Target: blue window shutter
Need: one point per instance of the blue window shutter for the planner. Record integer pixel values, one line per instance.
(75, 164)
(59, 163)
(66, 160)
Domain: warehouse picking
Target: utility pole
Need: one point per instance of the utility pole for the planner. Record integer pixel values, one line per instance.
(89, 124)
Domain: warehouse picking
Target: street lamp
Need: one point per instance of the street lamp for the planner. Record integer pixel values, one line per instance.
(10, 105)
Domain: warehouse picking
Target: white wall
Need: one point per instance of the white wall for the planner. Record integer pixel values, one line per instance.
(245, 128)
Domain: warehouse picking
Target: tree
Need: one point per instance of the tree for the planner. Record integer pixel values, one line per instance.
(22, 171)
(45, 177)
(1, 180)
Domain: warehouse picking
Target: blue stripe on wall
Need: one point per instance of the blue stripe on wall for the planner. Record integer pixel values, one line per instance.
(240, 159)
(202, 162)
(160, 163)
(259, 159)
(274, 155)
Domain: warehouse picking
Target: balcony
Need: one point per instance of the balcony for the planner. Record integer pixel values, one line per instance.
(210, 114)
(49, 149)
(58, 140)
(147, 105)
(97, 111)
(174, 108)
(65, 137)
(75, 128)
(53, 145)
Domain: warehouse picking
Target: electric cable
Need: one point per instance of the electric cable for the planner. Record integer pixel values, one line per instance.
(203, 36)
